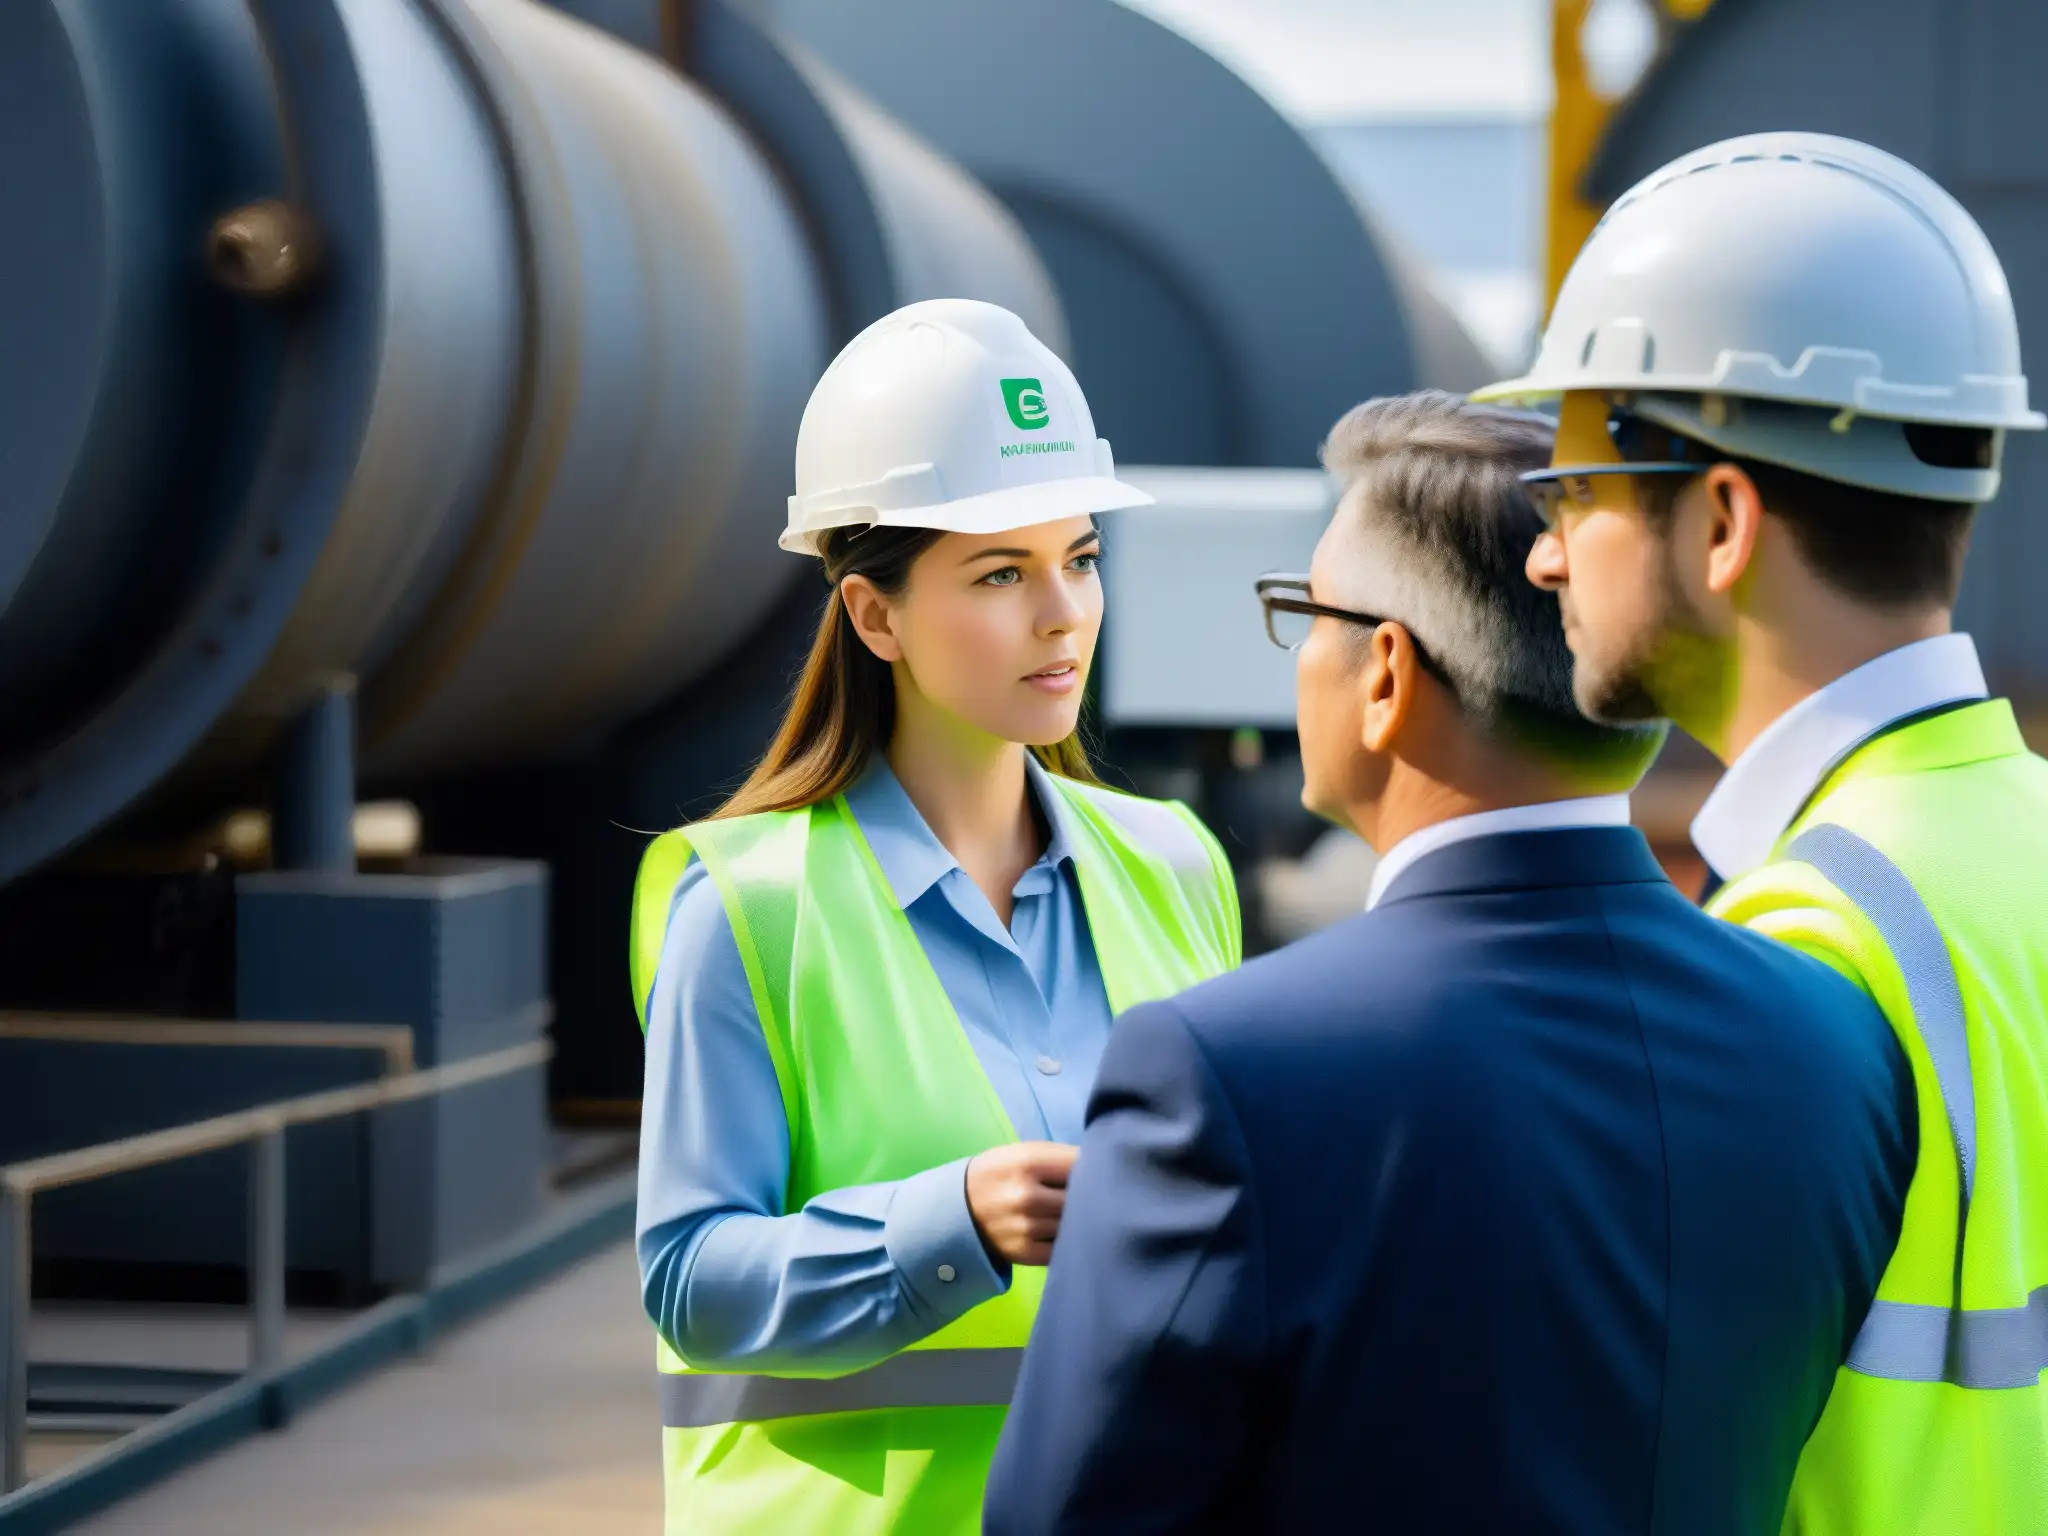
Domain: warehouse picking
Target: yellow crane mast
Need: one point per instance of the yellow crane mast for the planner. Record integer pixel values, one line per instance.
(1578, 120)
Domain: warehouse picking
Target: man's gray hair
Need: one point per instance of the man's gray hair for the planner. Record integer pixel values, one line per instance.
(1440, 530)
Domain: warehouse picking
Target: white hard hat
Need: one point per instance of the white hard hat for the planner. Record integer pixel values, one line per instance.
(1786, 270)
(948, 414)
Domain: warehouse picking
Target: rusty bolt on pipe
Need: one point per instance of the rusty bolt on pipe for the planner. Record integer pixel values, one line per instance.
(264, 249)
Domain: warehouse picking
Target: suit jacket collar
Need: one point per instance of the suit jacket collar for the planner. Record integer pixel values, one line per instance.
(1527, 861)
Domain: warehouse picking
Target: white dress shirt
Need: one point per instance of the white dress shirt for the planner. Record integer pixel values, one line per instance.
(1765, 788)
(1549, 816)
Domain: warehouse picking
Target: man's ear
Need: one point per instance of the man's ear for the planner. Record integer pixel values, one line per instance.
(873, 617)
(1735, 519)
(1386, 683)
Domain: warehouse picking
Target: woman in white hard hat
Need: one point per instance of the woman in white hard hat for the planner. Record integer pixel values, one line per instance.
(877, 982)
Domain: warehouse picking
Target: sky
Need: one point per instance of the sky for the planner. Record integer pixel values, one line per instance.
(1325, 61)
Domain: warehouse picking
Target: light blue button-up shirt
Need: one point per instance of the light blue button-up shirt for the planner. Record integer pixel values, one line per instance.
(729, 1277)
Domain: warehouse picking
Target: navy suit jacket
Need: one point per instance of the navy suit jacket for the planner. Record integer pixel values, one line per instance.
(1533, 1200)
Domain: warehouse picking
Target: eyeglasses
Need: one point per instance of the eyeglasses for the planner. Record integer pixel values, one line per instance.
(1646, 448)
(1291, 613)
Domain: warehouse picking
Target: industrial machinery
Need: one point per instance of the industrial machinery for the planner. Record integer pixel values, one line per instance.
(399, 399)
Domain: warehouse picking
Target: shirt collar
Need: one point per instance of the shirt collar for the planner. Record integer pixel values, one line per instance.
(1764, 788)
(1547, 816)
(913, 859)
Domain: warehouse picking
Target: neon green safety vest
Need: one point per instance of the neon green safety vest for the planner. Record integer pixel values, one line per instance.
(1920, 870)
(879, 1081)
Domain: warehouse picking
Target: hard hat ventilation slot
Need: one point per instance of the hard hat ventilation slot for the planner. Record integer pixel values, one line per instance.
(1952, 447)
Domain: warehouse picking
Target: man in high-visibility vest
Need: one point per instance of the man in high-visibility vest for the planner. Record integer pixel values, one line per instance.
(1786, 366)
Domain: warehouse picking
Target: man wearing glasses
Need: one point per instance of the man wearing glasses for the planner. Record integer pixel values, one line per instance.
(1529, 1199)
(1767, 466)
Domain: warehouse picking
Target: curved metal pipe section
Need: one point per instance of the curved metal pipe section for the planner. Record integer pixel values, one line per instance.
(892, 219)
(1446, 354)
(448, 322)
(513, 453)
(947, 235)
(677, 327)
(124, 374)
(271, 454)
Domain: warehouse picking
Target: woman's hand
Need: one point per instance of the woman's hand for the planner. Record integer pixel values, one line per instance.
(1016, 1195)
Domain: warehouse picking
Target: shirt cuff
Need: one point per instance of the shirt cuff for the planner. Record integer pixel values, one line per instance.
(931, 1239)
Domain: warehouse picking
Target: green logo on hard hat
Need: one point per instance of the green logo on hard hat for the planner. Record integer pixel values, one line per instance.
(1025, 401)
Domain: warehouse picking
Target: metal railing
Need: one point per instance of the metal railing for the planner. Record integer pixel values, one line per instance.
(392, 1041)
(262, 1128)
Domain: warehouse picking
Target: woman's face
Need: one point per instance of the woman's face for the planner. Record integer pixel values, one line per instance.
(995, 630)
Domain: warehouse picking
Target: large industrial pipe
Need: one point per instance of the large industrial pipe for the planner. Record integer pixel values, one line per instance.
(448, 344)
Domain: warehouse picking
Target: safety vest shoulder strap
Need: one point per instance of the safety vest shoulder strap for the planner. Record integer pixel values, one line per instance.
(661, 868)
(1171, 833)
(756, 862)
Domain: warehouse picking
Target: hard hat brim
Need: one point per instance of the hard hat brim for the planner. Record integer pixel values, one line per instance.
(1536, 388)
(1017, 506)
(1867, 451)
(1522, 391)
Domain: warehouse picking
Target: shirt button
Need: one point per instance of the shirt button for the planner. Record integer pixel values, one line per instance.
(1049, 1065)
(947, 1273)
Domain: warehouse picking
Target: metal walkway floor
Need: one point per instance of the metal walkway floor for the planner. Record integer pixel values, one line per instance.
(539, 1418)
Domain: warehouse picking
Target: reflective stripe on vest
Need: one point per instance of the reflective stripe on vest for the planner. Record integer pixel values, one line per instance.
(1880, 888)
(917, 1378)
(1988, 1348)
